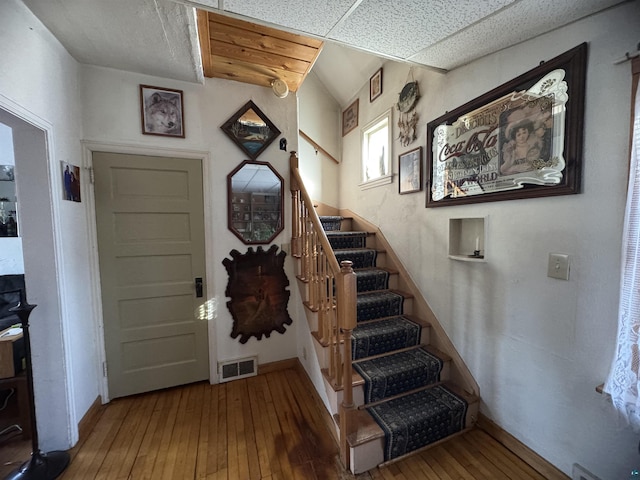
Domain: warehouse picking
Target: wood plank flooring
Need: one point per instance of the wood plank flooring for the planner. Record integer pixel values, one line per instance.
(271, 427)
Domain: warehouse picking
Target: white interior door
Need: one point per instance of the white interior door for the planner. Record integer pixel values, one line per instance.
(150, 225)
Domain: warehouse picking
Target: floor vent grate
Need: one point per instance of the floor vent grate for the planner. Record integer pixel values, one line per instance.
(239, 368)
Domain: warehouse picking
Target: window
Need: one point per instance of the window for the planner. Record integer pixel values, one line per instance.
(376, 152)
(624, 375)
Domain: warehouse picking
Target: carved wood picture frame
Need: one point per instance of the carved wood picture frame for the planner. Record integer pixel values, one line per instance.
(258, 291)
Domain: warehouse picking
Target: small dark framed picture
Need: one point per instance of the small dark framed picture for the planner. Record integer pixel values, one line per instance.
(251, 130)
(350, 118)
(375, 85)
(70, 182)
(410, 171)
(162, 111)
(6, 173)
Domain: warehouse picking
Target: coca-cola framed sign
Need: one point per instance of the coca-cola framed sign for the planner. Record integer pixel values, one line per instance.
(523, 139)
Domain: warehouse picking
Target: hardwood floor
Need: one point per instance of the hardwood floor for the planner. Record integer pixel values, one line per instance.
(272, 426)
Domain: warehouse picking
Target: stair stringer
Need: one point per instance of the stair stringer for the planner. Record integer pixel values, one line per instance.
(459, 373)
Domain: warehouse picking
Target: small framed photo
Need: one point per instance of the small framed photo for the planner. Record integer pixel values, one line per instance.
(251, 130)
(6, 173)
(410, 171)
(350, 118)
(162, 111)
(375, 85)
(70, 182)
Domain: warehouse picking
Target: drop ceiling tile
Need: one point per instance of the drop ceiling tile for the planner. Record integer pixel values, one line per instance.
(402, 28)
(312, 17)
(104, 34)
(208, 3)
(521, 21)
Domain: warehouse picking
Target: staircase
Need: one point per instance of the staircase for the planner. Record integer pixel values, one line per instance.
(393, 380)
(401, 386)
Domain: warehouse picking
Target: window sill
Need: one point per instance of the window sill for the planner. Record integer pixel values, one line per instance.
(377, 182)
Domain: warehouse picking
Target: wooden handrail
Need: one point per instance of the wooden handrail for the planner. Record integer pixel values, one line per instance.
(313, 216)
(331, 293)
(317, 146)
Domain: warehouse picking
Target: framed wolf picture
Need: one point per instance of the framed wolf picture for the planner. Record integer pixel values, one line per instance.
(161, 111)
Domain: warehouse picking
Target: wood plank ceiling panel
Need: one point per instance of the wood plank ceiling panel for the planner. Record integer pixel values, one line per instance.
(252, 53)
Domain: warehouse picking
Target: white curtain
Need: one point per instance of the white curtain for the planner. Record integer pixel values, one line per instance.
(623, 383)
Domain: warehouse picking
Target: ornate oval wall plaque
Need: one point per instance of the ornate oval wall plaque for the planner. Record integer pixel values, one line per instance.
(259, 297)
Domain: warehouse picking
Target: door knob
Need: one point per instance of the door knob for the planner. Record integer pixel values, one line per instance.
(199, 287)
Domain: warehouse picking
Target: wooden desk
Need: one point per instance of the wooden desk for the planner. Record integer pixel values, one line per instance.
(19, 382)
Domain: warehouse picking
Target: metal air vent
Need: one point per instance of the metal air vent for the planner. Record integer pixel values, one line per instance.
(238, 368)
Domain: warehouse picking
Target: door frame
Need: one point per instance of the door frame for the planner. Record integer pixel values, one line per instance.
(20, 117)
(88, 147)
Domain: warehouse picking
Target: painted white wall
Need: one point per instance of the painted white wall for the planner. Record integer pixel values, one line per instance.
(319, 117)
(11, 260)
(111, 113)
(537, 346)
(41, 88)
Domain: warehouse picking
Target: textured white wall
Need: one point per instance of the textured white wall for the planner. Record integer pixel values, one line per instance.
(319, 116)
(111, 114)
(39, 82)
(537, 346)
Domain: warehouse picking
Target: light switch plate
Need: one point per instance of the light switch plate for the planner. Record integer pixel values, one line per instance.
(558, 266)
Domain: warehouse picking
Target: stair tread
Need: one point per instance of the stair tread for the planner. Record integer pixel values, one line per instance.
(365, 428)
(390, 271)
(398, 352)
(390, 290)
(470, 398)
(398, 371)
(384, 335)
(356, 380)
(419, 320)
(413, 318)
(347, 233)
(345, 250)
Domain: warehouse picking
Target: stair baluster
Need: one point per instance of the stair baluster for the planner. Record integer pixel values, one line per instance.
(336, 308)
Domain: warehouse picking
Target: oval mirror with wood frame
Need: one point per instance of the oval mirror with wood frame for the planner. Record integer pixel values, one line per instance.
(255, 198)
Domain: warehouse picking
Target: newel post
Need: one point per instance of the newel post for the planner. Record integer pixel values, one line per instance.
(296, 233)
(347, 318)
(293, 165)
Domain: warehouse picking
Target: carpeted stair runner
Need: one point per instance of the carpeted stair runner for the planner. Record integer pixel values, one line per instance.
(396, 373)
(330, 223)
(339, 240)
(385, 303)
(419, 419)
(361, 258)
(372, 279)
(382, 356)
(382, 336)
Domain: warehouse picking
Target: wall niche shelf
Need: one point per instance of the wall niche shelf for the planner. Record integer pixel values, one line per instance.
(467, 239)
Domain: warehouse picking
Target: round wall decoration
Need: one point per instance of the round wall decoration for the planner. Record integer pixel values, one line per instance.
(408, 97)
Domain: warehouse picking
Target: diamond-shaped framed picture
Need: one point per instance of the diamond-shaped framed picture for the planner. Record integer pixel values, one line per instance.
(251, 130)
